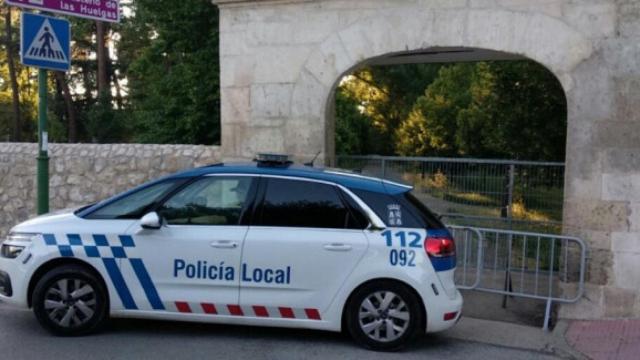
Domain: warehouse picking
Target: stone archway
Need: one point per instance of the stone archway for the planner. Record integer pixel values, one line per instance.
(390, 35)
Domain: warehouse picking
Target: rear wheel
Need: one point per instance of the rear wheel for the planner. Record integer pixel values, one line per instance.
(70, 300)
(384, 315)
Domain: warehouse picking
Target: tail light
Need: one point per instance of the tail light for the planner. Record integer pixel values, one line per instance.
(439, 247)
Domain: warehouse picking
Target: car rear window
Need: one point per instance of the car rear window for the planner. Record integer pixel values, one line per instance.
(419, 209)
(402, 210)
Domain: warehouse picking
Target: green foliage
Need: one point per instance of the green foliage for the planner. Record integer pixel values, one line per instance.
(27, 87)
(514, 110)
(169, 54)
(103, 123)
(429, 129)
(354, 134)
(385, 96)
(163, 75)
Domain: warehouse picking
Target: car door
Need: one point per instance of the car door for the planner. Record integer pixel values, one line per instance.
(190, 264)
(302, 245)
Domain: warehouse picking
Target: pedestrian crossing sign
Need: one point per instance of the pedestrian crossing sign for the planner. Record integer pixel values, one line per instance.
(44, 42)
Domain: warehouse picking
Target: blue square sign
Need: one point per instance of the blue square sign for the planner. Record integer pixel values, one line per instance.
(45, 42)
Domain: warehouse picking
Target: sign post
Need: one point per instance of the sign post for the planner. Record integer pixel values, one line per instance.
(43, 145)
(44, 43)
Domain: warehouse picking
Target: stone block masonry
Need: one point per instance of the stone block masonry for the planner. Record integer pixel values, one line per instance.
(281, 61)
(81, 174)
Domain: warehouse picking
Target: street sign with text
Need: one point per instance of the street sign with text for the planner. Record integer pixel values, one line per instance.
(45, 42)
(105, 10)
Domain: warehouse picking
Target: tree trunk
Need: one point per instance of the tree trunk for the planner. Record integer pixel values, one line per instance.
(102, 54)
(17, 121)
(72, 124)
(86, 79)
(116, 84)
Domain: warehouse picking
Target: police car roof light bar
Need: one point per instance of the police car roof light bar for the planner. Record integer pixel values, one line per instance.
(267, 159)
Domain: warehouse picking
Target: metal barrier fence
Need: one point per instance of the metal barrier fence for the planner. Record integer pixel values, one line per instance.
(520, 195)
(469, 254)
(522, 264)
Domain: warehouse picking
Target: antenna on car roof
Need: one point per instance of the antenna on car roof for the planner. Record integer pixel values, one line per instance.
(310, 163)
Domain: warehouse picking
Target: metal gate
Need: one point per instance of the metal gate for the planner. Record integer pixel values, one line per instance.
(522, 264)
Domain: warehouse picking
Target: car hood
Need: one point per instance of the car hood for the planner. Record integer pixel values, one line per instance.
(32, 225)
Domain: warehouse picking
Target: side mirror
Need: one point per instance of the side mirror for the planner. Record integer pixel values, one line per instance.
(151, 221)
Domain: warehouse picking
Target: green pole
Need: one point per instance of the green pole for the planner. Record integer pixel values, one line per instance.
(43, 144)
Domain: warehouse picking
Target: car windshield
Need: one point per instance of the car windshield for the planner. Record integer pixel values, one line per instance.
(135, 205)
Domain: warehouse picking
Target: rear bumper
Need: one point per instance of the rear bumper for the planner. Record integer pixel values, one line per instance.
(440, 316)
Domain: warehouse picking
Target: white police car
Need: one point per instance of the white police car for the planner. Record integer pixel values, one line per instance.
(265, 243)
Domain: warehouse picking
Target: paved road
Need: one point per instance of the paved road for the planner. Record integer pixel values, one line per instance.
(22, 338)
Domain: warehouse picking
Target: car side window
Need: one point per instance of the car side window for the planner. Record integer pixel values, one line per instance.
(135, 205)
(212, 200)
(298, 203)
(359, 219)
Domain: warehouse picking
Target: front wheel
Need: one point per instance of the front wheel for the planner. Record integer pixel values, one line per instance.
(384, 315)
(70, 300)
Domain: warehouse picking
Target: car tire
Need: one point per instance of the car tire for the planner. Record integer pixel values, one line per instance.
(70, 300)
(384, 315)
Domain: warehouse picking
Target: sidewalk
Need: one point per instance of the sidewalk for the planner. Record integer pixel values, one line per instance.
(596, 340)
(605, 339)
(515, 336)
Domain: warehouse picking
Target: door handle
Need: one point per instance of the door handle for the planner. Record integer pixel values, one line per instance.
(224, 244)
(337, 247)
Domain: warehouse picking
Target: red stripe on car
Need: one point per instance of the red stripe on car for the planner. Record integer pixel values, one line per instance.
(286, 312)
(235, 310)
(183, 307)
(209, 308)
(260, 311)
(312, 314)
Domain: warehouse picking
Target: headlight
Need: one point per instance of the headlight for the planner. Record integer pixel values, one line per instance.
(11, 251)
(20, 237)
(13, 245)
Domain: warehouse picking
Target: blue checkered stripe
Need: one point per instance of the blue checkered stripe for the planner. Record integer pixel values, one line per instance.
(72, 245)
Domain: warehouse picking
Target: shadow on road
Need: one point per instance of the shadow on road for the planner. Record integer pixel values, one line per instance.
(177, 330)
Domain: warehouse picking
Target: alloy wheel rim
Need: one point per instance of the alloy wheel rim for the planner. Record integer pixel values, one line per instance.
(384, 316)
(70, 302)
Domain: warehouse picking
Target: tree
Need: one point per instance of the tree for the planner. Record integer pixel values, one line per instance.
(430, 129)
(170, 58)
(528, 112)
(514, 110)
(18, 95)
(354, 134)
(385, 96)
(15, 92)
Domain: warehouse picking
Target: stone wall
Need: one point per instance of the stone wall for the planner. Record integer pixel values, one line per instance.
(84, 173)
(281, 61)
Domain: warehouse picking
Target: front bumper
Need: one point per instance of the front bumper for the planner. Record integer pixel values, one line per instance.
(13, 281)
(5, 284)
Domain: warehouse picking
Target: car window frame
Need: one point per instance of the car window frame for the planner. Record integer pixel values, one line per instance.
(251, 196)
(374, 221)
